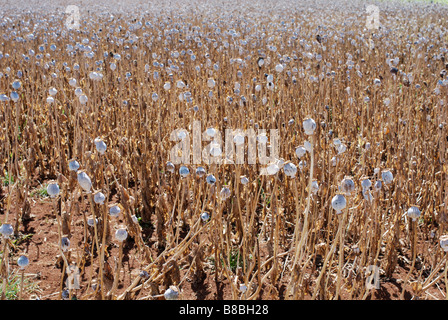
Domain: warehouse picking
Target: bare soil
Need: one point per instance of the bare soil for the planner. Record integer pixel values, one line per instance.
(38, 238)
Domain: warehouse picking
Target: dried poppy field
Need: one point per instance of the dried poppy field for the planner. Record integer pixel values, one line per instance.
(222, 150)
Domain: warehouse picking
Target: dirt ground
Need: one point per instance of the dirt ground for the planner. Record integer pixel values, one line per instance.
(38, 238)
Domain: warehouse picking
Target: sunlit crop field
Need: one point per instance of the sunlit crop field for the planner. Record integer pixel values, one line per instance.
(259, 150)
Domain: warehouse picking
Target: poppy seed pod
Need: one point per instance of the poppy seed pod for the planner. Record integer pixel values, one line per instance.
(65, 243)
(15, 96)
(78, 92)
(365, 183)
(413, 212)
(100, 145)
(337, 142)
(387, 176)
(52, 91)
(121, 234)
(210, 83)
(308, 146)
(6, 230)
(205, 216)
(84, 180)
(377, 185)
(338, 203)
(341, 148)
(314, 186)
(210, 179)
(184, 171)
(114, 211)
(347, 185)
(309, 125)
(444, 242)
(272, 169)
(290, 169)
(22, 262)
(171, 293)
(16, 85)
(334, 161)
(52, 189)
(73, 165)
(200, 171)
(99, 198)
(244, 180)
(83, 99)
(225, 193)
(91, 221)
(170, 166)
